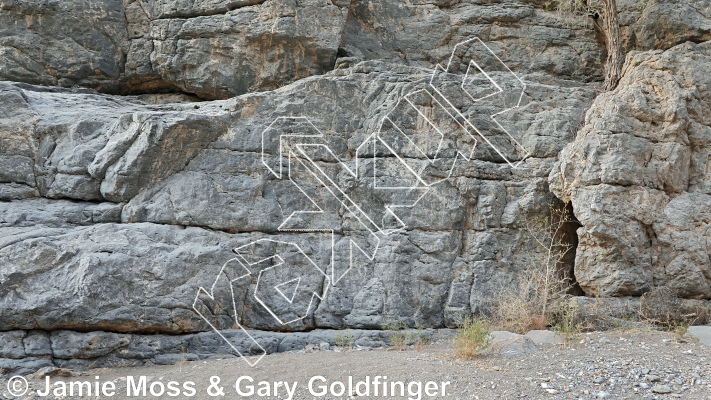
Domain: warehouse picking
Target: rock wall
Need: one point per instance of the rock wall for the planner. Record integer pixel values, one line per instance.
(147, 46)
(152, 46)
(637, 176)
(132, 165)
(218, 49)
(162, 193)
(24, 352)
(662, 24)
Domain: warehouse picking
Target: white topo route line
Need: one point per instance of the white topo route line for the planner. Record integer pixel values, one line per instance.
(297, 142)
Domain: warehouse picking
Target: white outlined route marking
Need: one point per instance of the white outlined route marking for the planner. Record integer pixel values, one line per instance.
(211, 296)
(314, 168)
(331, 189)
(500, 91)
(291, 287)
(284, 140)
(263, 292)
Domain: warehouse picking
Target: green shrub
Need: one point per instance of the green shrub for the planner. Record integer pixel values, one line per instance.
(473, 335)
(565, 319)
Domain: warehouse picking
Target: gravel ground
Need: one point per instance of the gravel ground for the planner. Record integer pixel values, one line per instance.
(635, 364)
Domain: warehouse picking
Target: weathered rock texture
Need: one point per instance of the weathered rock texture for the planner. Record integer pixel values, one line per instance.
(23, 352)
(419, 32)
(115, 209)
(213, 49)
(176, 187)
(662, 24)
(217, 49)
(638, 177)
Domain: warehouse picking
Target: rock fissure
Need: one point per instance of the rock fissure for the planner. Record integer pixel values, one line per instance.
(230, 6)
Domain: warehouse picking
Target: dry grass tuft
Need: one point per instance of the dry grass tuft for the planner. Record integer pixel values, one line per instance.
(472, 337)
(662, 307)
(536, 299)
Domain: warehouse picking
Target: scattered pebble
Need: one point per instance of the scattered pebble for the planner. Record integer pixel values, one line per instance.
(661, 389)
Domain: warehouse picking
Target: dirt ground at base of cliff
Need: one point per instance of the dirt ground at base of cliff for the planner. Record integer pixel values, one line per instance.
(632, 364)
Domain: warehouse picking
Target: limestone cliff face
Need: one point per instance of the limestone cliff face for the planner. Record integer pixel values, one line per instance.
(131, 165)
(218, 49)
(637, 176)
(118, 199)
(213, 49)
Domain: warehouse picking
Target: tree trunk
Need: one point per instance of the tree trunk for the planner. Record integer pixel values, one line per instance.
(613, 41)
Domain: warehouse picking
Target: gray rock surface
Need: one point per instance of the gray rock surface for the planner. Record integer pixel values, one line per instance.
(195, 188)
(703, 333)
(662, 24)
(637, 178)
(86, 350)
(221, 48)
(39, 44)
(540, 337)
(527, 38)
(84, 146)
(213, 49)
(511, 345)
(216, 49)
(114, 209)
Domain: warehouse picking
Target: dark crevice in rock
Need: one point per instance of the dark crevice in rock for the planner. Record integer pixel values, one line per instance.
(105, 327)
(343, 53)
(176, 96)
(230, 6)
(81, 201)
(156, 86)
(569, 237)
(653, 257)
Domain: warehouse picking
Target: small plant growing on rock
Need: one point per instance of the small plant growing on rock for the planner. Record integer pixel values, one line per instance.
(398, 334)
(183, 359)
(575, 13)
(627, 322)
(345, 340)
(679, 329)
(472, 337)
(422, 338)
(516, 312)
